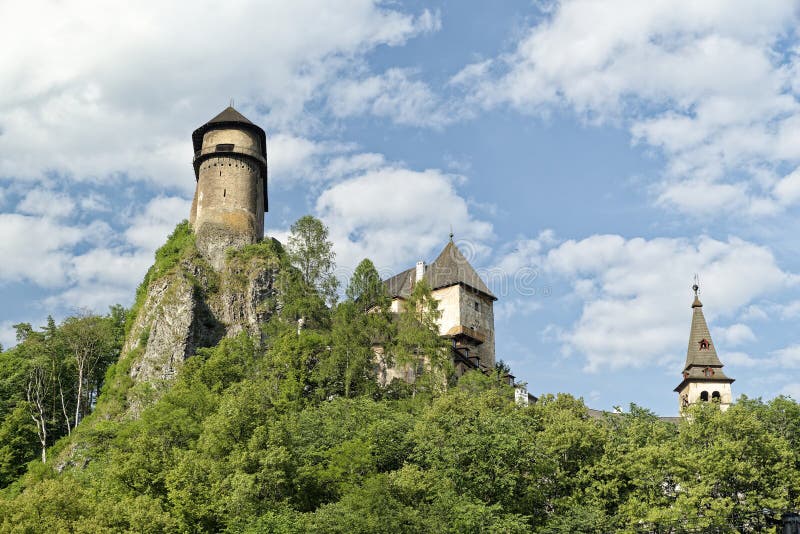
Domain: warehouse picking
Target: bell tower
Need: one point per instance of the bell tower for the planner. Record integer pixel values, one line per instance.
(703, 378)
(230, 166)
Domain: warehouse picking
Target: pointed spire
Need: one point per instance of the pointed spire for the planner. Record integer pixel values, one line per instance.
(701, 351)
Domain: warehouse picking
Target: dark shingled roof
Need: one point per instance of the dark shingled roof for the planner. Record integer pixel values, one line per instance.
(448, 269)
(229, 114)
(701, 353)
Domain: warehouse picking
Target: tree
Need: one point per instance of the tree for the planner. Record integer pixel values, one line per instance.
(418, 346)
(37, 401)
(310, 251)
(360, 322)
(366, 287)
(92, 343)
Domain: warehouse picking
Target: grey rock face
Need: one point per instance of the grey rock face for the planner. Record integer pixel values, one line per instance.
(195, 306)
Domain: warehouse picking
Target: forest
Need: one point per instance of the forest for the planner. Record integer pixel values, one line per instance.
(292, 431)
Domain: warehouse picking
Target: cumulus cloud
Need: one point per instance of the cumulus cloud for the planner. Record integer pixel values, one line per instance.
(734, 335)
(76, 94)
(36, 249)
(394, 215)
(709, 84)
(46, 202)
(634, 294)
(393, 94)
(149, 229)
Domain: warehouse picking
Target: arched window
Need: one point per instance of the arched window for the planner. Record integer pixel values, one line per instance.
(704, 396)
(715, 396)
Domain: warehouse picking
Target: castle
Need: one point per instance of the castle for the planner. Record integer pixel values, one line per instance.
(230, 164)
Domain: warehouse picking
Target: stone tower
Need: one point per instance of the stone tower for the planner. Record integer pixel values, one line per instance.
(230, 165)
(703, 378)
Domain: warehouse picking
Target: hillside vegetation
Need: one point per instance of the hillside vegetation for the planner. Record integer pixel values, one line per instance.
(290, 430)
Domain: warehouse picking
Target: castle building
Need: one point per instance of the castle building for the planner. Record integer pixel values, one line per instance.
(703, 378)
(466, 303)
(230, 166)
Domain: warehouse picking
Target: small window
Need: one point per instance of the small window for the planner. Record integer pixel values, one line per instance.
(477, 306)
(708, 372)
(715, 396)
(704, 396)
(224, 147)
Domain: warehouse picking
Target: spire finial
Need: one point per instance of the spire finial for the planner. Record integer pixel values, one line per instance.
(696, 289)
(451, 233)
(231, 102)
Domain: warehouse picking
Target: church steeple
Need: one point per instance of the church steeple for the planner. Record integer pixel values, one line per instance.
(703, 377)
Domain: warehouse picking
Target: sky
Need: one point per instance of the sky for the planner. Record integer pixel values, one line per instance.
(590, 156)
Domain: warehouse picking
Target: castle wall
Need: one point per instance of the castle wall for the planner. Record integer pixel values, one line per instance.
(458, 306)
(240, 138)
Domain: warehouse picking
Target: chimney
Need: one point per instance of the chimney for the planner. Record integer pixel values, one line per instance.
(420, 271)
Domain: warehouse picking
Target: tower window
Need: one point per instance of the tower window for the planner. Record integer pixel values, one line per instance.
(715, 396)
(477, 306)
(708, 372)
(704, 396)
(224, 147)
(704, 344)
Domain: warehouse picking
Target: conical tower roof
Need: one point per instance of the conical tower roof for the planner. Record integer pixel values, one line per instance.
(701, 350)
(230, 118)
(702, 362)
(229, 114)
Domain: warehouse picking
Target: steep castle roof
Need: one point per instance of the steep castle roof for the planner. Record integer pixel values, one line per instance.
(229, 114)
(229, 117)
(702, 362)
(448, 269)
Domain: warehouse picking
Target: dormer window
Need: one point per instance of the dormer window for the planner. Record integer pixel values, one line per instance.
(708, 372)
(704, 344)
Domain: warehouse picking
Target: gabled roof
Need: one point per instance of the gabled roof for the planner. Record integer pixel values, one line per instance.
(448, 269)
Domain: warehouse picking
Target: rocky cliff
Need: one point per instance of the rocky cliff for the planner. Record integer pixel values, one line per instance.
(185, 304)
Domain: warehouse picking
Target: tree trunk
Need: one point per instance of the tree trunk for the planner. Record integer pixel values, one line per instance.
(80, 393)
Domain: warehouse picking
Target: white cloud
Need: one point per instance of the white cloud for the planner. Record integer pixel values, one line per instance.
(395, 215)
(707, 83)
(36, 249)
(741, 359)
(787, 357)
(46, 202)
(8, 336)
(149, 229)
(734, 335)
(392, 94)
(634, 293)
(76, 97)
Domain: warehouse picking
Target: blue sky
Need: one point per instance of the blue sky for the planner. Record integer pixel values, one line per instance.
(591, 157)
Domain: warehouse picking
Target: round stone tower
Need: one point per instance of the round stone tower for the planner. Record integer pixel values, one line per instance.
(230, 165)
